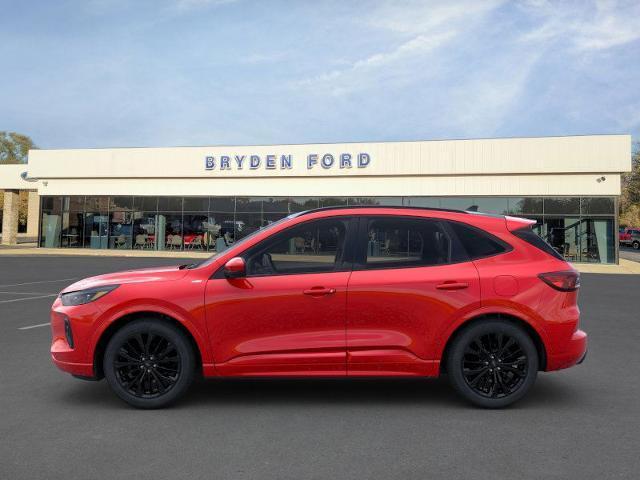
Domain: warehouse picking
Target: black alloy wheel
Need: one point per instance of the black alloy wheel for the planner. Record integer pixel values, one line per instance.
(493, 363)
(149, 363)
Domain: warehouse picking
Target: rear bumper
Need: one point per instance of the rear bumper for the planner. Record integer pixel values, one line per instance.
(573, 353)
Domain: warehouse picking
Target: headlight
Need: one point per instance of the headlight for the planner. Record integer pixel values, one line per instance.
(85, 296)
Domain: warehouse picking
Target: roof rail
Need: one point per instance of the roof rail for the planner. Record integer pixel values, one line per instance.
(347, 207)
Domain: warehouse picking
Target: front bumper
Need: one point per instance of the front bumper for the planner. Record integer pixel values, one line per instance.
(573, 353)
(71, 356)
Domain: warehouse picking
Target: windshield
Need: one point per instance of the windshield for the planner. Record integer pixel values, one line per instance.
(243, 240)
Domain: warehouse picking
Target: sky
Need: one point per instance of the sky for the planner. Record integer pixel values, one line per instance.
(115, 73)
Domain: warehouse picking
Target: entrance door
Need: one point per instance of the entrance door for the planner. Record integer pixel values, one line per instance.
(287, 316)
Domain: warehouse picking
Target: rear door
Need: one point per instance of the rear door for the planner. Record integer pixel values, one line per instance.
(410, 281)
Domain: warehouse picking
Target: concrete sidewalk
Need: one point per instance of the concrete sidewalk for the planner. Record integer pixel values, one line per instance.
(626, 267)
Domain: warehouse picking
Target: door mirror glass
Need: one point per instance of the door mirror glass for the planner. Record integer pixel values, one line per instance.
(235, 268)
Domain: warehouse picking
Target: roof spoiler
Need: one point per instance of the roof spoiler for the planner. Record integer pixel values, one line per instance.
(516, 223)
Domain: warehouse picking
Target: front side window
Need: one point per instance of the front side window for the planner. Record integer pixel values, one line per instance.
(406, 242)
(313, 247)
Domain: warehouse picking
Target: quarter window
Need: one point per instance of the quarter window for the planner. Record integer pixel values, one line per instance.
(477, 243)
(406, 242)
(313, 247)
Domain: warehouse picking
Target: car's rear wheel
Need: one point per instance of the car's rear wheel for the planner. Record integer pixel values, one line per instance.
(636, 245)
(492, 363)
(149, 363)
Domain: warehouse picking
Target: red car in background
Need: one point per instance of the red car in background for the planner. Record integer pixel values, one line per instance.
(370, 291)
(629, 237)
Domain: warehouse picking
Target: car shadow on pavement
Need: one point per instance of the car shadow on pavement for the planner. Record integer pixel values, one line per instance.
(317, 392)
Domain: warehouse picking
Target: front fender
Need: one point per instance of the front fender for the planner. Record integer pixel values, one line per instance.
(151, 305)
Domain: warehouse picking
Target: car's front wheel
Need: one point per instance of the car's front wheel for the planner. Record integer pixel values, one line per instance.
(492, 363)
(636, 245)
(149, 363)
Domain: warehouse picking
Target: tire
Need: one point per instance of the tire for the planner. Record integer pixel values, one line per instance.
(498, 381)
(636, 245)
(149, 363)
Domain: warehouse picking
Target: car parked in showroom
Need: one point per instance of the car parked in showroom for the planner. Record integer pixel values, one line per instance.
(335, 292)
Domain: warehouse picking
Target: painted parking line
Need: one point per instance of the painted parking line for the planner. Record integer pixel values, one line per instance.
(28, 298)
(34, 326)
(27, 293)
(41, 281)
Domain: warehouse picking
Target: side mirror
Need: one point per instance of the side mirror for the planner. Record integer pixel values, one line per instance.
(235, 268)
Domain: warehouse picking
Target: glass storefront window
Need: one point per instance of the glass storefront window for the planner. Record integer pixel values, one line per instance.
(300, 204)
(248, 204)
(51, 224)
(222, 204)
(196, 204)
(194, 227)
(246, 223)
(168, 231)
(333, 201)
(170, 204)
(96, 229)
(494, 205)
(457, 203)
(120, 230)
(145, 204)
(219, 231)
(120, 204)
(597, 206)
(525, 206)
(426, 202)
(72, 222)
(144, 230)
(277, 204)
(581, 229)
(391, 201)
(561, 206)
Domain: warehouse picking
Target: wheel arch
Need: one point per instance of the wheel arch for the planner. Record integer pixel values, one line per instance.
(526, 326)
(117, 324)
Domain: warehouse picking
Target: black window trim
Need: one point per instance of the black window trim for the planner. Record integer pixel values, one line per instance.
(347, 254)
(363, 239)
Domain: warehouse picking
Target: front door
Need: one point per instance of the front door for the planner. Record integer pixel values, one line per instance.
(288, 315)
(409, 282)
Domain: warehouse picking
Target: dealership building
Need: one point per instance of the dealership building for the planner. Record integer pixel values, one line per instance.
(206, 198)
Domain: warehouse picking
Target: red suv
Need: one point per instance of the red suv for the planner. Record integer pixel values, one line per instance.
(369, 291)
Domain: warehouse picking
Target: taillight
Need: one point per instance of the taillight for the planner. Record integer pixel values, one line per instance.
(567, 281)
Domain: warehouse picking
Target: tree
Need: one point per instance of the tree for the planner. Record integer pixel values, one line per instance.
(14, 147)
(630, 198)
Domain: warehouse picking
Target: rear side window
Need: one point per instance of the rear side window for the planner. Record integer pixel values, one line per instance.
(400, 242)
(534, 239)
(478, 243)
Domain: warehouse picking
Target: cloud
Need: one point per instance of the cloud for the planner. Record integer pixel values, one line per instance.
(419, 29)
(606, 25)
(185, 5)
(264, 57)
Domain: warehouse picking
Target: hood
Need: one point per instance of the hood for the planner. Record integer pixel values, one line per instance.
(144, 275)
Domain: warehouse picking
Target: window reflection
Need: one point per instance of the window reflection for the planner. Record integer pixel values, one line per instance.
(144, 230)
(581, 229)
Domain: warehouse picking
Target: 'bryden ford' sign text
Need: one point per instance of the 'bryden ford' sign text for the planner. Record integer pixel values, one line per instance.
(285, 162)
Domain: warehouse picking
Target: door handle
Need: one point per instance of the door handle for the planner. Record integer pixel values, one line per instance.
(452, 285)
(319, 291)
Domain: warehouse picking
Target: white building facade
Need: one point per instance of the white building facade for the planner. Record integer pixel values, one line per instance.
(205, 198)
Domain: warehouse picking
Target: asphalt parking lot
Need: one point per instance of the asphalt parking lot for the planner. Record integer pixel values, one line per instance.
(581, 423)
(629, 253)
